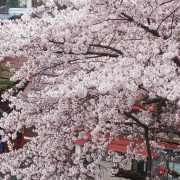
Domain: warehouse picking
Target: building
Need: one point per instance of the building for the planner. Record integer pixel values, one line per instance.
(9, 8)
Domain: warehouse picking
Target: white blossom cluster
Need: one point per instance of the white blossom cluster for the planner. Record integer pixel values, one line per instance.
(94, 59)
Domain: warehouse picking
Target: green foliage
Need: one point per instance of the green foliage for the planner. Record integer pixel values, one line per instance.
(40, 2)
(5, 74)
(2, 2)
(5, 84)
(10, 3)
(61, 7)
(13, 3)
(4, 71)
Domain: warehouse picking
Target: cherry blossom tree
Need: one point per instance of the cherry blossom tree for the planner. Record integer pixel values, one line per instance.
(95, 60)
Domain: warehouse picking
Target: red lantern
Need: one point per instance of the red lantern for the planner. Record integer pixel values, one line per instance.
(162, 171)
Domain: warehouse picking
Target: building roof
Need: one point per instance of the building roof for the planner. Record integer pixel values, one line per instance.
(121, 144)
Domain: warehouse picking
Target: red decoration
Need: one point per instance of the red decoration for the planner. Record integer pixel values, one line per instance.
(162, 171)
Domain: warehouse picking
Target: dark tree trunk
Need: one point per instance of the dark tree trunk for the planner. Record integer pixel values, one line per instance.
(149, 158)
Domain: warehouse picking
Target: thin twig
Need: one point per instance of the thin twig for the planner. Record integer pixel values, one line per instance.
(146, 28)
(173, 12)
(171, 28)
(165, 2)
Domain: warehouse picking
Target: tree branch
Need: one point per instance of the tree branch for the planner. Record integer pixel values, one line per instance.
(172, 13)
(146, 135)
(148, 146)
(135, 119)
(146, 28)
(91, 52)
(101, 54)
(176, 60)
(167, 37)
(165, 2)
(107, 47)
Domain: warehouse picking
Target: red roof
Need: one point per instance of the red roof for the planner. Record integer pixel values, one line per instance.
(121, 144)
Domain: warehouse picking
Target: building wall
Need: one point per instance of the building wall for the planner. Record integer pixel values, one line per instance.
(6, 12)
